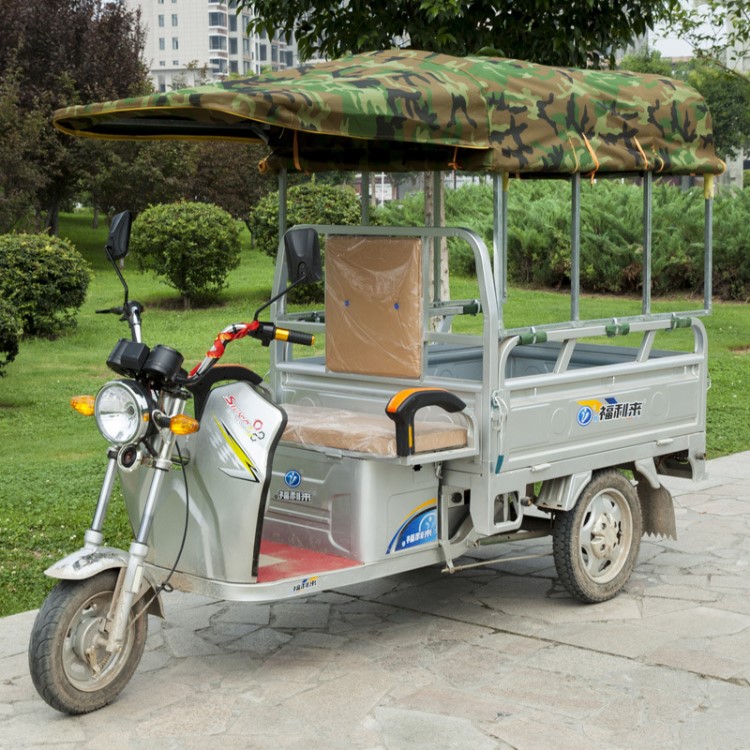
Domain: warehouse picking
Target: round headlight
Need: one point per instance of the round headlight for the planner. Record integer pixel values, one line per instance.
(122, 411)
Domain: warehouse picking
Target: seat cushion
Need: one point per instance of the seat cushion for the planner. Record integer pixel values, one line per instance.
(315, 426)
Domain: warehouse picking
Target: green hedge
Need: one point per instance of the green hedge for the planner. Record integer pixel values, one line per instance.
(611, 235)
(44, 280)
(193, 246)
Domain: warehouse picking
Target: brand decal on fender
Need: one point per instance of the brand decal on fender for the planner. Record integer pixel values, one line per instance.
(254, 427)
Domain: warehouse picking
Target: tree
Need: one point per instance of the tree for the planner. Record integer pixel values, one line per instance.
(717, 30)
(21, 174)
(69, 51)
(579, 33)
(227, 174)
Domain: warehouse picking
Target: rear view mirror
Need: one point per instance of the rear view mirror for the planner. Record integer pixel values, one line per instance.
(119, 236)
(302, 247)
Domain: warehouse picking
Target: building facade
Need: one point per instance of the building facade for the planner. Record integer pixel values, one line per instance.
(188, 41)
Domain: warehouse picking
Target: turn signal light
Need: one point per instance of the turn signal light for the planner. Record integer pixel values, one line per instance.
(182, 424)
(83, 405)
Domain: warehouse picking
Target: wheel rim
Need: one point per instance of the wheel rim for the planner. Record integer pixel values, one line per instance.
(606, 535)
(86, 663)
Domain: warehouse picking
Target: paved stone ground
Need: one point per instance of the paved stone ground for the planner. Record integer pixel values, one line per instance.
(489, 659)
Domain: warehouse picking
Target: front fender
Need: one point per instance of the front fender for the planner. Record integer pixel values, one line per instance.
(90, 561)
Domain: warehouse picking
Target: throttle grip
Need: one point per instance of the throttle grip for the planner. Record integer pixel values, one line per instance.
(294, 337)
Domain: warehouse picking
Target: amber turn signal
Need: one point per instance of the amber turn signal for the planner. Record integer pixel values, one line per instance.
(182, 424)
(83, 405)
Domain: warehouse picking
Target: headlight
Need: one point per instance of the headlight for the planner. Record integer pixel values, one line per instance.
(122, 411)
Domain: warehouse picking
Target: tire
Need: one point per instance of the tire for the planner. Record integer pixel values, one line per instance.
(65, 628)
(596, 543)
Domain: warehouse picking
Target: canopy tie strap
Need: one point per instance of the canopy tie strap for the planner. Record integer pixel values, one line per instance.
(295, 153)
(659, 161)
(575, 155)
(641, 152)
(593, 156)
(453, 164)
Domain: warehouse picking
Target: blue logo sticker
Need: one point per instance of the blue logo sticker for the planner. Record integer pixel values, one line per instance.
(585, 415)
(292, 478)
(420, 528)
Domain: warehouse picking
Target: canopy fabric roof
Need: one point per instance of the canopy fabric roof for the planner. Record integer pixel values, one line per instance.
(403, 110)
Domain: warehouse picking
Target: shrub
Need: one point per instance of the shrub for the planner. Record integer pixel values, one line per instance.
(192, 245)
(10, 335)
(309, 203)
(44, 280)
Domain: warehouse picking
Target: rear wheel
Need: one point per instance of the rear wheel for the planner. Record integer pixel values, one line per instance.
(596, 543)
(69, 665)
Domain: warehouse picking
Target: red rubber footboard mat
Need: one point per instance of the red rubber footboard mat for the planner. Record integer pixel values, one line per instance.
(279, 561)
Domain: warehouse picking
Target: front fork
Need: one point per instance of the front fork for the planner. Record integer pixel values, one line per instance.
(131, 579)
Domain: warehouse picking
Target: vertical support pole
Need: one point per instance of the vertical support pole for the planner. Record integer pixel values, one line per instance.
(282, 204)
(647, 205)
(504, 224)
(437, 198)
(575, 247)
(708, 236)
(365, 197)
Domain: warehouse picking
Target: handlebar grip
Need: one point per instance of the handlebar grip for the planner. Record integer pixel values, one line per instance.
(294, 337)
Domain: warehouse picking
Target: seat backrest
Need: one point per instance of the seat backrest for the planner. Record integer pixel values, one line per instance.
(374, 306)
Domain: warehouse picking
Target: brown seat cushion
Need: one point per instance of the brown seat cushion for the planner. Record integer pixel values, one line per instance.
(322, 427)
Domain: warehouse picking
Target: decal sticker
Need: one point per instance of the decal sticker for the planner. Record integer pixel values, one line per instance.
(245, 461)
(420, 527)
(253, 427)
(608, 410)
(290, 496)
(292, 479)
(305, 583)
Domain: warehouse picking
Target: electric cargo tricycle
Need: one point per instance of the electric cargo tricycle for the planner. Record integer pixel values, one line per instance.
(407, 441)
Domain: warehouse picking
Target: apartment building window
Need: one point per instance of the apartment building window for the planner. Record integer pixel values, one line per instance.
(246, 47)
(274, 53)
(234, 66)
(262, 53)
(162, 43)
(175, 42)
(174, 19)
(217, 19)
(233, 47)
(161, 21)
(217, 42)
(233, 23)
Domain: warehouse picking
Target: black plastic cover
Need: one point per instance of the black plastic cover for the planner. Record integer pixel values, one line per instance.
(128, 357)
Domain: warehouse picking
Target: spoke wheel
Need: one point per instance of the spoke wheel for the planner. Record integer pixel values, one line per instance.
(596, 543)
(69, 664)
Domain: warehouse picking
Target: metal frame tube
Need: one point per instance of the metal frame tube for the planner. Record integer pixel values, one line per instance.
(575, 247)
(647, 226)
(708, 235)
(365, 196)
(437, 200)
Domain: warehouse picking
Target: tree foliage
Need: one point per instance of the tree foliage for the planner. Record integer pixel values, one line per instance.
(66, 52)
(580, 32)
(21, 172)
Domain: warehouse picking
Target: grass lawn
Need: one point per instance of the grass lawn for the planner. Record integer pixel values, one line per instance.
(51, 459)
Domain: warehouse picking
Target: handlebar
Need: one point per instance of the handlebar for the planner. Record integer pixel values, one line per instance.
(264, 332)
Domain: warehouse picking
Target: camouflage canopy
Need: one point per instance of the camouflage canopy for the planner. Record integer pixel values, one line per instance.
(407, 110)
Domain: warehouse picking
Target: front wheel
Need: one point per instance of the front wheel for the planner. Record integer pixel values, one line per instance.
(69, 664)
(596, 543)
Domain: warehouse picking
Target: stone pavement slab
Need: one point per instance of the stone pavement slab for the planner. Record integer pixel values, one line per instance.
(494, 658)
